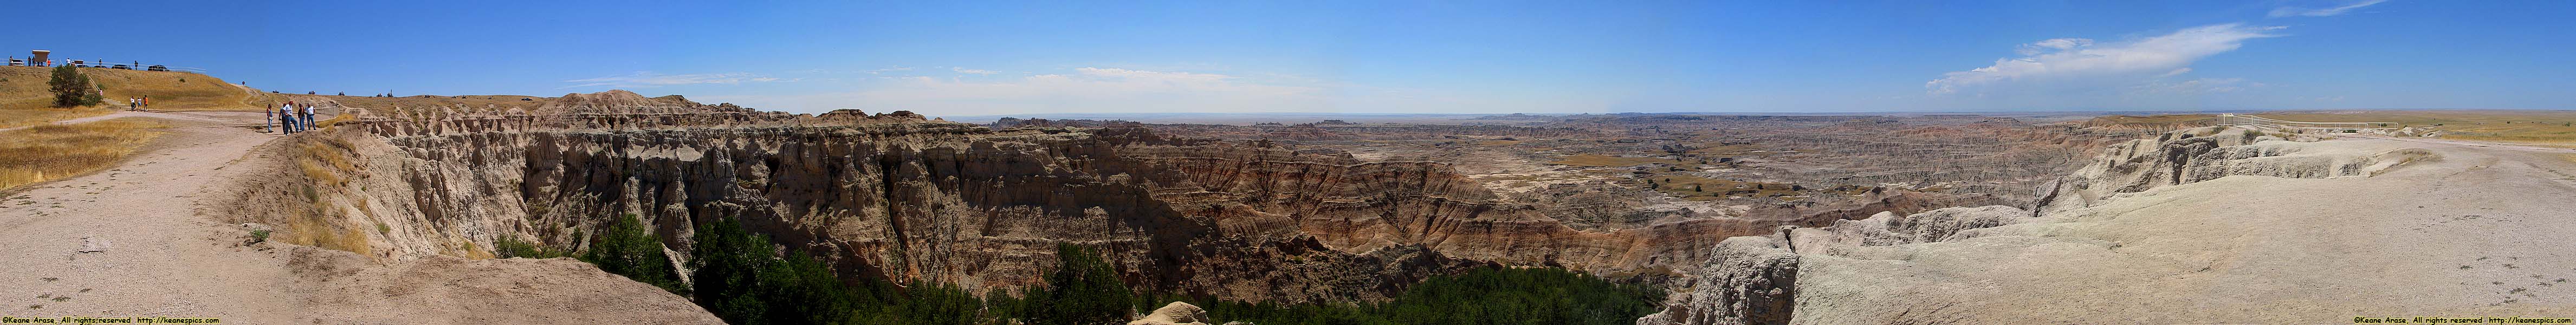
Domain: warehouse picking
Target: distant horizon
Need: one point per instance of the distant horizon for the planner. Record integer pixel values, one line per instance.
(1010, 58)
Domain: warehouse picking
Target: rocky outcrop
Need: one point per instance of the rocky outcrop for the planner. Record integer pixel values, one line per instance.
(2206, 153)
(1886, 229)
(1754, 279)
(1749, 280)
(1176, 313)
(1957, 265)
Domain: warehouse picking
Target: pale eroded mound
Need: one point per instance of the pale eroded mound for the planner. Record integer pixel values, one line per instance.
(2371, 227)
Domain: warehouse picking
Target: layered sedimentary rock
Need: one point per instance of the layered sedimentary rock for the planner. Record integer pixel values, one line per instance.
(1750, 280)
(897, 197)
(2205, 153)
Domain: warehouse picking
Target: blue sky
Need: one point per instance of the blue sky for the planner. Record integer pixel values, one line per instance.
(1385, 57)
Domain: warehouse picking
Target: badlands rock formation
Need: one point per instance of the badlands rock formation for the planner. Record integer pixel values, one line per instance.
(2199, 226)
(901, 198)
(1176, 313)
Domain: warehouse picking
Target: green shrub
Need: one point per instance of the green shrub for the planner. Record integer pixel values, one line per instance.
(741, 277)
(71, 88)
(511, 247)
(628, 249)
(1083, 290)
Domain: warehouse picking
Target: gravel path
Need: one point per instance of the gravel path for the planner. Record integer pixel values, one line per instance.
(141, 240)
(126, 242)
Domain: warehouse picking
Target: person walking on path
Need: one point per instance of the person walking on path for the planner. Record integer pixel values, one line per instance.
(268, 119)
(305, 114)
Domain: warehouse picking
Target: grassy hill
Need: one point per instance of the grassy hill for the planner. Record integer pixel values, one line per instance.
(24, 99)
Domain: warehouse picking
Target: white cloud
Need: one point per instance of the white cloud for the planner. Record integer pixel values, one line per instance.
(2322, 12)
(973, 71)
(2052, 45)
(2059, 65)
(893, 69)
(649, 79)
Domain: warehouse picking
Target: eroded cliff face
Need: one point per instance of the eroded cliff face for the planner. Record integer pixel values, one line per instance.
(2206, 153)
(897, 197)
(1913, 268)
(1751, 280)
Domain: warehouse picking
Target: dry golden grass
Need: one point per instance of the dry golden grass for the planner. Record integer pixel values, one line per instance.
(2531, 127)
(314, 228)
(469, 250)
(24, 88)
(17, 117)
(330, 163)
(49, 152)
(2549, 128)
(1593, 160)
(25, 100)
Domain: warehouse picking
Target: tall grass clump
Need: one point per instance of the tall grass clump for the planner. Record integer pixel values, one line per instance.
(49, 152)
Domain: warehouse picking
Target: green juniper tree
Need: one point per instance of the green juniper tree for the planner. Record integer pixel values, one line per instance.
(1083, 290)
(71, 88)
(628, 249)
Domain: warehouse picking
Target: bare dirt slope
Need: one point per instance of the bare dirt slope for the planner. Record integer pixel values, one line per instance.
(2478, 232)
(133, 241)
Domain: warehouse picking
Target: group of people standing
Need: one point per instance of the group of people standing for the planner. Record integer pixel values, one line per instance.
(292, 118)
(137, 103)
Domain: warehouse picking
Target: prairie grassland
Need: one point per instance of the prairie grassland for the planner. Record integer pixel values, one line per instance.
(2550, 128)
(25, 100)
(2553, 128)
(17, 117)
(24, 88)
(49, 152)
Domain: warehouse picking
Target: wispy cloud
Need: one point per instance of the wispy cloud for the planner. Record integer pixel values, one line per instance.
(2322, 12)
(973, 71)
(893, 69)
(2068, 63)
(649, 79)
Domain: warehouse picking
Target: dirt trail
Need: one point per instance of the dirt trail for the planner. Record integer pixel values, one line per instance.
(124, 242)
(136, 241)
